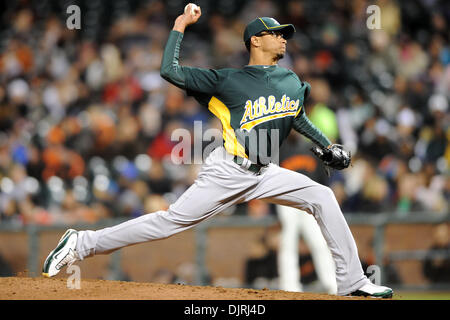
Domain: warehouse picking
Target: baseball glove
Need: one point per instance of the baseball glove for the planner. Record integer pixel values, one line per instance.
(334, 156)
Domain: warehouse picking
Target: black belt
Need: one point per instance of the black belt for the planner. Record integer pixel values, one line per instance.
(254, 167)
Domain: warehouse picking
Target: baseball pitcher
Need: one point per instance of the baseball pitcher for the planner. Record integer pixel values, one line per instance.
(257, 105)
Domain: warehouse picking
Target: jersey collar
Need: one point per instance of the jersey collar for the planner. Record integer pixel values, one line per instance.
(261, 66)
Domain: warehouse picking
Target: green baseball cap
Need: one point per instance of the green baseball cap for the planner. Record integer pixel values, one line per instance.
(270, 24)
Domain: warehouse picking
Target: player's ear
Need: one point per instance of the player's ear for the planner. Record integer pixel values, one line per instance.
(255, 41)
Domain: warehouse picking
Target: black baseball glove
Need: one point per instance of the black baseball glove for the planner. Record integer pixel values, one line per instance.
(334, 156)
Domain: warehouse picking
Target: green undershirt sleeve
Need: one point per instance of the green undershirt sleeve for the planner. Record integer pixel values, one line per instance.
(170, 67)
(198, 82)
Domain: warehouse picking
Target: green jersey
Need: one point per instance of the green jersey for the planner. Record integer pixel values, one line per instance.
(256, 104)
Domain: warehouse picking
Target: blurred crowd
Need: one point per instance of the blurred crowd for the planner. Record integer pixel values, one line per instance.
(86, 120)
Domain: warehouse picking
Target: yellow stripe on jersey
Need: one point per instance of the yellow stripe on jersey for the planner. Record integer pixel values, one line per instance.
(298, 111)
(249, 125)
(220, 110)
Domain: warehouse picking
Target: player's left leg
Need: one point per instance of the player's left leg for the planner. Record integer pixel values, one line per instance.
(281, 186)
(321, 255)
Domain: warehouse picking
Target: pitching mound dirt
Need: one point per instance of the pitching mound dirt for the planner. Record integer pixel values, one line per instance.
(18, 288)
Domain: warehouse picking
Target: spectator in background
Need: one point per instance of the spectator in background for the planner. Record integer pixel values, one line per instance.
(319, 111)
(391, 273)
(436, 266)
(376, 138)
(164, 276)
(5, 268)
(158, 180)
(258, 209)
(430, 193)
(128, 128)
(69, 96)
(375, 192)
(261, 265)
(407, 187)
(155, 202)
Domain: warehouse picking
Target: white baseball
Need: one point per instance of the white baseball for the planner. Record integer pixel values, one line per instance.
(194, 7)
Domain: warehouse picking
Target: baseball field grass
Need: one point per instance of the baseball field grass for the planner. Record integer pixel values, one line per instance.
(421, 295)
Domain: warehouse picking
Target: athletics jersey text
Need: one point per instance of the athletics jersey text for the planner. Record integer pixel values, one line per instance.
(262, 110)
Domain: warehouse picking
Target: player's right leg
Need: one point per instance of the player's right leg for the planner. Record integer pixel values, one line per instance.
(221, 183)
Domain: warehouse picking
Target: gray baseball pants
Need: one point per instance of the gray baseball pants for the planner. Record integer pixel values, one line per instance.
(222, 183)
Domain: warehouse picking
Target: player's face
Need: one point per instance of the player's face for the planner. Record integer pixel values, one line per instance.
(273, 43)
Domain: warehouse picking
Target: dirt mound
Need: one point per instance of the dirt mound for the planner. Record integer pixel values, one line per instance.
(22, 288)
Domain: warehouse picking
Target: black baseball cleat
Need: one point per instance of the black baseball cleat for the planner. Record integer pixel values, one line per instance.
(373, 291)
